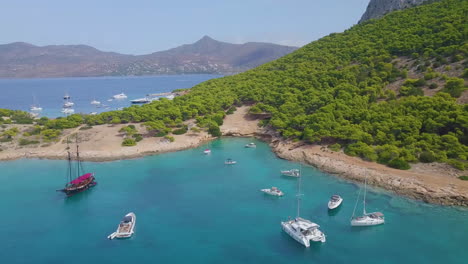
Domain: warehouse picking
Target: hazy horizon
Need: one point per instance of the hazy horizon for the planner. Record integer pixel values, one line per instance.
(145, 26)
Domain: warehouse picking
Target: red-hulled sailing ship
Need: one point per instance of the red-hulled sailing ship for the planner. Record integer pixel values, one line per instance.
(77, 182)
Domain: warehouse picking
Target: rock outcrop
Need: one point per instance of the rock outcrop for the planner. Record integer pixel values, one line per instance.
(378, 8)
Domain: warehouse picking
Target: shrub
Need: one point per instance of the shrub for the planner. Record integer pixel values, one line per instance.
(454, 87)
(160, 134)
(427, 157)
(86, 127)
(362, 150)
(170, 138)
(231, 110)
(195, 129)
(399, 164)
(214, 130)
(180, 131)
(433, 86)
(24, 141)
(128, 142)
(335, 147)
(456, 164)
(463, 178)
(138, 137)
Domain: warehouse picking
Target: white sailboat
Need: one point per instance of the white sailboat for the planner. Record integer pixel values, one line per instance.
(291, 173)
(230, 162)
(35, 106)
(125, 228)
(273, 191)
(367, 219)
(300, 229)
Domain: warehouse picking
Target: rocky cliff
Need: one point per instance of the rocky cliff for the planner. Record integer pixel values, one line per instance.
(378, 8)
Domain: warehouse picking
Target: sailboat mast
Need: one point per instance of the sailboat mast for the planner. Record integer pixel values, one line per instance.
(69, 163)
(299, 193)
(77, 157)
(365, 191)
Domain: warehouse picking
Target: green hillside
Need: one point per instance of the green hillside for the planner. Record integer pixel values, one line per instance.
(336, 91)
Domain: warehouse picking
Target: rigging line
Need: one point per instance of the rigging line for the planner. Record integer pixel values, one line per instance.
(357, 200)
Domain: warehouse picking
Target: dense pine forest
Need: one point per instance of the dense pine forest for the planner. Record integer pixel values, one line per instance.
(385, 90)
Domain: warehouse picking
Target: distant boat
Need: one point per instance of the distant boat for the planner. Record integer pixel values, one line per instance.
(68, 104)
(110, 100)
(93, 113)
(126, 227)
(334, 202)
(144, 100)
(273, 191)
(120, 96)
(170, 97)
(367, 219)
(95, 102)
(207, 151)
(291, 173)
(66, 97)
(35, 107)
(68, 111)
(251, 145)
(300, 229)
(77, 182)
(230, 162)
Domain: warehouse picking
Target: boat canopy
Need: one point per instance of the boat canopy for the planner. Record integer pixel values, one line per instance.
(81, 179)
(379, 214)
(127, 219)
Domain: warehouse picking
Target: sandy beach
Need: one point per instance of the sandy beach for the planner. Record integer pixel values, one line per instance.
(432, 183)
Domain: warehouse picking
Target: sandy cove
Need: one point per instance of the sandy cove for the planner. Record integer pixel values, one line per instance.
(432, 183)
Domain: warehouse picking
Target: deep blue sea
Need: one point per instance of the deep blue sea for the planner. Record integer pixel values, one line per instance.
(191, 208)
(20, 94)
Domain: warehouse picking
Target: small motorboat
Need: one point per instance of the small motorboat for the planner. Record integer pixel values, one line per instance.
(35, 108)
(93, 113)
(207, 151)
(66, 97)
(230, 162)
(125, 228)
(144, 100)
(251, 145)
(334, 202)
(273, 191)
(291, 173)
(120, 96)
(95, 102)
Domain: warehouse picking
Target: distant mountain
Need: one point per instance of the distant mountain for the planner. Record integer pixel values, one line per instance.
(378, 8)
(23, 60)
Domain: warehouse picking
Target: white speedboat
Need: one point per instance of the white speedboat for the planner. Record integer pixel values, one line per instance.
(367, 219)
(95, 102)
(251, 145)
(300, 229)
(334, 202)
(68, 104)
(126, 227)
(230, 162)
(273, 191)
(68, 111)
(120, 96)
(35, 108)
(93, 113)
(291, 173)
(207, 151)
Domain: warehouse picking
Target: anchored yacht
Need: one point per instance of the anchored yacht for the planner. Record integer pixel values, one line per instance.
(291, 173)
(300, 229)
(273, 191)
(125, 228)
(367, 219)
(334, 202)
(120, 96)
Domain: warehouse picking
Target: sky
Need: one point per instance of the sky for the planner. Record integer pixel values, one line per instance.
(145, 26)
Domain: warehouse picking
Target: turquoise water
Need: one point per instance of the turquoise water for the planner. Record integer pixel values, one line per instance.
(20, 94)
(191, 208)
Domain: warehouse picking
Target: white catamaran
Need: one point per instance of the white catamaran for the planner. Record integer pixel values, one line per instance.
(367, 219)
(303, 230)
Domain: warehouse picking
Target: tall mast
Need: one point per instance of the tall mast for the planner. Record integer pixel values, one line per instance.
(365, 191)
(69, 164)
(299, 192)
(77, 157)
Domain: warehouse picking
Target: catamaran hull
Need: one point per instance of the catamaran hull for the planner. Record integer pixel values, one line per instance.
(291, 233)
